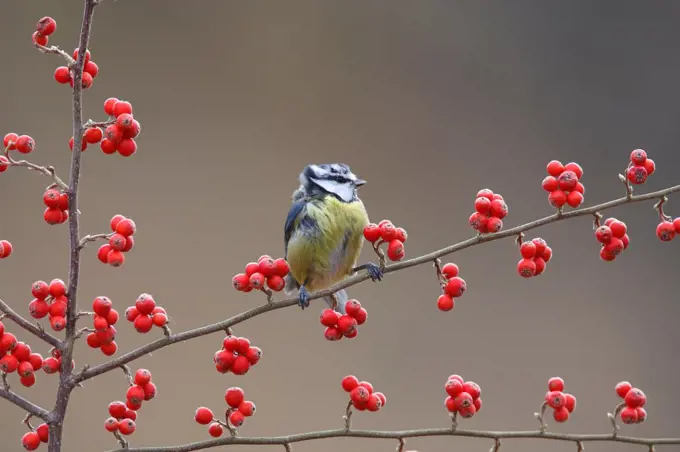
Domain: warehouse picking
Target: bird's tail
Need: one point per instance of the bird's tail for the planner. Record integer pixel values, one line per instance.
(291, 286)
(341, 296)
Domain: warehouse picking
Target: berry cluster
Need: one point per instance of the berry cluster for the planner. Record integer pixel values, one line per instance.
(634, 399)
(667, 229)
(266, 270)
(31, 440)
(386, 232)
(490, 209)
(613, 237)
(120, 242)
(145, 314)
(463, 396)
(639, 167)
(343, 325)
(57, 206)
(5, 249)
(239, 409)
(104, 335)
(13, 142)
(18, 357)
(361, 394)
(120, 136)
(453, 286)
(52, 364)
(535, 254)
(562, 403)
(63, 74)
(50, 300)
(43, 29)
(122, 419)
(236, 355)
(563, 184)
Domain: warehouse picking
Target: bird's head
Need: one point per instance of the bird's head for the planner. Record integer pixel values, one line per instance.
(331, 178)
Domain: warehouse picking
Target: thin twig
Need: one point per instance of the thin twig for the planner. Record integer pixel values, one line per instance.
(27, 422)
(28, 326)
(23, 403)
(128, 374)
(46, 170)
(356, 279)
(122, 441)
(348, 416)
(612, 417)
(91, 238)
(56, 51)
(395, 435)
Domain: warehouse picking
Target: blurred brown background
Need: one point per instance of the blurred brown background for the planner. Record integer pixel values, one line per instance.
(429, 101)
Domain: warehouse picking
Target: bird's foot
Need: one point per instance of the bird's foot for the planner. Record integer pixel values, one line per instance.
(303, 297)
(374, 271)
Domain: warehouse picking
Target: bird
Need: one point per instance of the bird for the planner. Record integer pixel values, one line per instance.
(323, 233)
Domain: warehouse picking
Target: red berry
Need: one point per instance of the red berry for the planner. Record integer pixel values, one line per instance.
(126, 227)
(5, 249)
(499, 208)
(676, 225)
(4, 163)
(332, 333)
(635, 398)
(46, 26)
(91, 68)
(642, 414)
(622, 388)
(556, 384)
(108, 105)
(131, 313)
(615, 246)
(453, 387)
(479, 222)
(637, 175)
(50, 365)
(494, 224)
(10, 138)
(360, 395)
(569, 402)
(142, 377)
(561, 414)
(9, 363)
(574, 199)
(115, 258)
(402, 235)
(203, 416)
(111, 424)
(87, 80)
(145, 304)
(39, 39)
(150, 391)
(485, 193)
(606, 255)
(483, 205)
(240, 282)
(528, 250)
(374, 403)
(51, 198)
(547, 254)
(638, 157)
(575, 167)
(62, 75)
(43, 432)
(25, 369)
(618, 228)
(549, 184)
(665, 231)
(25, 144)
(113, 133)
(450, 405)
(445, 302)
(93, 135)
(30, 441)
(556, 399)
(381, 396)
(526, 268)
(236, 418)
(87, 55)
(388, 232)
(215, 430)
(122, 107)
(282, 267)
(372, 232)
(143, 323)
(629, 415)
(347, 324)
(247, 408)
(241, 365)
(395, 250)
(361, 316)
(555, 168)
(256, 280)
(352, 308)
(462, 400)
(243, 345)
(329, 318)
(124, 121)
(349, 383)
(603, 234)
(109, 349)
(126, 426)
(92, 340)
(650, 166)
(567, 180)
(450, 270)
(456, 287)
(127, 147)
(253, 355)
(557, 198)
(38, 308)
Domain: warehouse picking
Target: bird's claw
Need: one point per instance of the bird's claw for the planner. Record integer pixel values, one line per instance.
(374, 271)
(303, 298)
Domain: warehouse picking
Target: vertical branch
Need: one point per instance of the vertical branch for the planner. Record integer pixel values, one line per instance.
(66, 383)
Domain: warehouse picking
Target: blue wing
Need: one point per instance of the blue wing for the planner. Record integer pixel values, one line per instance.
(295, 209)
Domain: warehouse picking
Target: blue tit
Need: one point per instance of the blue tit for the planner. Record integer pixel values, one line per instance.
(323, 234)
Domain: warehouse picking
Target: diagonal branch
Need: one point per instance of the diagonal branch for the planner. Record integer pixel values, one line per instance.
(28, 326)
(356, 279)
(375, 434)
(24, 404)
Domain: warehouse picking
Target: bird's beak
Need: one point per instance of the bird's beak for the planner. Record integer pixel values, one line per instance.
(359, 182)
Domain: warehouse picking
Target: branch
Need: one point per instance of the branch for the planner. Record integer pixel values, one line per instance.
(24, 404)
(46, 170)
(356, 279)
(375, 434)
(92, 238)
(66, 383)
(28, 326)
